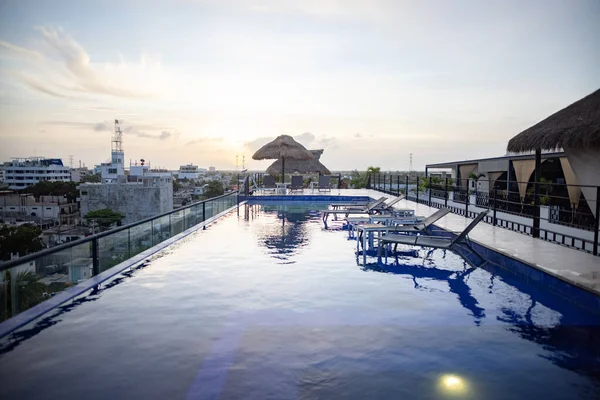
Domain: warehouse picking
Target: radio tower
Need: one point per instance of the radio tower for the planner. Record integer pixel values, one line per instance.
(410, 165)
(117, 140)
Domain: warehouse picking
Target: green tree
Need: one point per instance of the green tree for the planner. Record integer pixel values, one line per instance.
(23, 239)
(94, 178)
(46, 188)
(214, 189)
(104, 218)
(359, 179)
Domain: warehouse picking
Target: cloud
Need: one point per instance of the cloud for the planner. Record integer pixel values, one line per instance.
(204, 140)
(257, 143)
(35, 85)
(328, 142)
(357, 135)
(68, 71)
(141, 130)
(306, 139)
(21, 51)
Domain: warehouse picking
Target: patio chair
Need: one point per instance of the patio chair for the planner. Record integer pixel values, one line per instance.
(297, 184)
(412, 228)
(269, 183)
(432, 241)
(324, 183)
(366, 210)
(389, 207)
(357, 205)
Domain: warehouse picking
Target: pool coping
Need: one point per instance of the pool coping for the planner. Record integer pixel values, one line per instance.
(25, 317)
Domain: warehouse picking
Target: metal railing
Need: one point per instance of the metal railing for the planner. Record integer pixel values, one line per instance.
(29, 280)
(540, 209)
(259, 176)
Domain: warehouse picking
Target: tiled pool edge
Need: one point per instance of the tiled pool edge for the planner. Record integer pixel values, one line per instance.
(568, 290)
(22, 319)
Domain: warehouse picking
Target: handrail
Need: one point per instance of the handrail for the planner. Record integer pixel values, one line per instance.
(33, 256)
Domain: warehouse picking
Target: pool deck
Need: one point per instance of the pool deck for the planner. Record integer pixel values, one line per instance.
(574, 266)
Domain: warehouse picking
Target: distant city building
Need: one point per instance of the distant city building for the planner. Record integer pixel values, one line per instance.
(211, 169)
(190, 171)
(116, 167)
(146, 197)
(2, 171)
(23, 172)
(77, 174)
(46, 208)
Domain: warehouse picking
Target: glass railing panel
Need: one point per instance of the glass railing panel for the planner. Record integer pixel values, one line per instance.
(176, 223)
(113, 249)
(162, 229)
(26, 285)
(140, 238)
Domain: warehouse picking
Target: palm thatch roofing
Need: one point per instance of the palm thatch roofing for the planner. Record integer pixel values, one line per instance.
(301, 166)
(283, 146)
(574, 127)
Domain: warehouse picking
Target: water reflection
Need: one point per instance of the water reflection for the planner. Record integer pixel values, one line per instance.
(570, 338)
(284, 231)
(407, 263)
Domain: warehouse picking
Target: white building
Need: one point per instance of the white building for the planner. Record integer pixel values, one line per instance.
(190, 171)
(116, 167)
(23, 172)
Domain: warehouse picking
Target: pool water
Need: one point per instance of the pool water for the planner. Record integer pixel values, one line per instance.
(267, 304)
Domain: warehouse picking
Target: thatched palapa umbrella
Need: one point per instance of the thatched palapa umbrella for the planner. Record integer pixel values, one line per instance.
(283, 147)
(301, 166)
(576, 129)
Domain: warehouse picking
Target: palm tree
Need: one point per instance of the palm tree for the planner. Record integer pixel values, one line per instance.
(30, 291)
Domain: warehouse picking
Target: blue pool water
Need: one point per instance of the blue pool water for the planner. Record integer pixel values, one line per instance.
(268, 304)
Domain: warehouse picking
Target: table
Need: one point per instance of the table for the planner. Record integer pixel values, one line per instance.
(281, 187)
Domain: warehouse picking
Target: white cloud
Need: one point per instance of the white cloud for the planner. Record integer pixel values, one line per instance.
(67, 71)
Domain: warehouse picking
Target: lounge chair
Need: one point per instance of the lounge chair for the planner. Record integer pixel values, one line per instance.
(389, 207)
(297, 184)
(411, 228)
(357, 205)
(324, 184)
(432, 241)
(269, 183)
(366, 210)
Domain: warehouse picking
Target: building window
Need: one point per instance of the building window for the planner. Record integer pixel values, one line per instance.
(84, 193)
(48, 208)
(112, 170)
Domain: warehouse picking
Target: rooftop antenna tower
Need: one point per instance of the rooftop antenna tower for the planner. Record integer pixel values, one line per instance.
(71, 160)
(243, 162)
(117, 140)
(236, 162)
(410, 164)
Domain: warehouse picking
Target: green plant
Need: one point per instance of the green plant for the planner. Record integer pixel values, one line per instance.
(104, 218)
(23, 239)
(214, 189)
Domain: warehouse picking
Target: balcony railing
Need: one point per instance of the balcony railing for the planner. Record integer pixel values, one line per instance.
(540, 209)
(29, 280)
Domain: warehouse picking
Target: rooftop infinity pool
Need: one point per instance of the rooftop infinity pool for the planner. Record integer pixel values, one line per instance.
(268, 304)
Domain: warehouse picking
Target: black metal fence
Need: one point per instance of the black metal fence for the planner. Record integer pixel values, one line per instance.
(258, 178)
(29, 280)
(540, 209)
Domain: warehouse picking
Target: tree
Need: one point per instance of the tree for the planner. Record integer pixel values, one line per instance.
(214, 189)
(94, 178)
(105, 218)
(359, 179)
(23, 239)
(46, 188)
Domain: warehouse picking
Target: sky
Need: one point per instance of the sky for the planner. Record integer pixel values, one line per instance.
(201, 81)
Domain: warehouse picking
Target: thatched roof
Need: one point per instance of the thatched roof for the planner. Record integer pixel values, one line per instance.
(283, 146)
(300, 166)
(576, 127)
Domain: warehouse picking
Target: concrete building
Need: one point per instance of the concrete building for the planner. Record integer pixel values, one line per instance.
(77, 174)
(147, 197)
(25, 207)
(212, 169)
(22, 172)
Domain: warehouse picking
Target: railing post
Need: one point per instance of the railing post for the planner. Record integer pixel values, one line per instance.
(417, 189)
(369, 181)
(407, 186)
(128, 242)
(536, 194)
(446, 194)
(339, 181)
(204, 211)
(494, 205)
(595, 251)
(467, 201)
(95, 258)
(430, 191)
(152, 232)
(398, 183)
